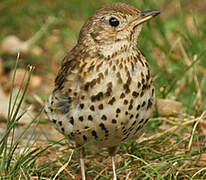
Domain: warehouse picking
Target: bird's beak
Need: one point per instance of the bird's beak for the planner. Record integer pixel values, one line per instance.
(145, 16)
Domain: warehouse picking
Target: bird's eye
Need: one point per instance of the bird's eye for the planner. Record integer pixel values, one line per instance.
(113, 21)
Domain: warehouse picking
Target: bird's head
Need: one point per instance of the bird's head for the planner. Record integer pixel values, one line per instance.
(114, 26)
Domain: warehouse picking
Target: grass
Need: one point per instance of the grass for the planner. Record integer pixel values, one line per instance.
(174, 44)
(11, 165)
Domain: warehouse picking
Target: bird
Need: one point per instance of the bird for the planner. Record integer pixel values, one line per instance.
(104, 92)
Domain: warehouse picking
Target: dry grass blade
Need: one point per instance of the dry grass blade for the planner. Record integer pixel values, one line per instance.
(63, 168)
(203, 169)
(194, 128)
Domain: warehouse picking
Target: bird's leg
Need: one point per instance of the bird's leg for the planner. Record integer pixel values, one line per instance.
(112, 152)
(81, 157)
(113, 167)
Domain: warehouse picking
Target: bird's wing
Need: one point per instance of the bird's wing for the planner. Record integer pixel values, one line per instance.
(59, 102)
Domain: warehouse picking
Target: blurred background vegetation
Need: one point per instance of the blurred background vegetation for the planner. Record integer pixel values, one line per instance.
(174, 44)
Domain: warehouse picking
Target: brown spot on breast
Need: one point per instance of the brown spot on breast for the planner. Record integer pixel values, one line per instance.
(104, 129)
(119, 77)
(129, 79)
(140, 60)
(82, 67)
(100, 75)
(145, 122)
(108, 93)
(121, 66)
(71, 134)
(106, 132)
(104, 117)
(100, 106)
(144, 87)
(143, 80)
(93, 82)
(125, 138)
(149, 104)
(130, 107)
(109, 89)
(114, 121)
(141, 94)
(135, 94)
(125, 101)
(122, 95)
(81, 118)
(109, 84)
(98, 80)
(114, 54)
(91, 68)
(97, 97)
(146, 63)
(143, 104)
(72, 120)
(138, 107)
(148, 75)
(131, 101)
(126, 88)
(118, 110)
(62, 129)
(141, 121)
(92, 108)
(85, 138)
(93, 98)
(132, 65)
(106, 72)
(102, 126)
(138, 128)
(86, 86)
(98, 66)
(94, 133)
(128, 59)
(138, 84)
(90, 118)
(131, 129)
(126, 68)
(111, 101)
(110, 63)
(114, 68)
(125, 131)
(142, 75)
(135, 59)
(81, 106)
(153, 92)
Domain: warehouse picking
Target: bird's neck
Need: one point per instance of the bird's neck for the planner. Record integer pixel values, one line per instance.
(111, 49)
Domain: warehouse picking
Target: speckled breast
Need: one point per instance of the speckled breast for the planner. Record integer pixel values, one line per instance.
(111, 101)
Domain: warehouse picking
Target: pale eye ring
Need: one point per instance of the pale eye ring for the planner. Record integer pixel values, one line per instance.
(114, 22)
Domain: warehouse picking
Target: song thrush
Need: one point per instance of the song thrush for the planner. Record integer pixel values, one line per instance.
(103, 91)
